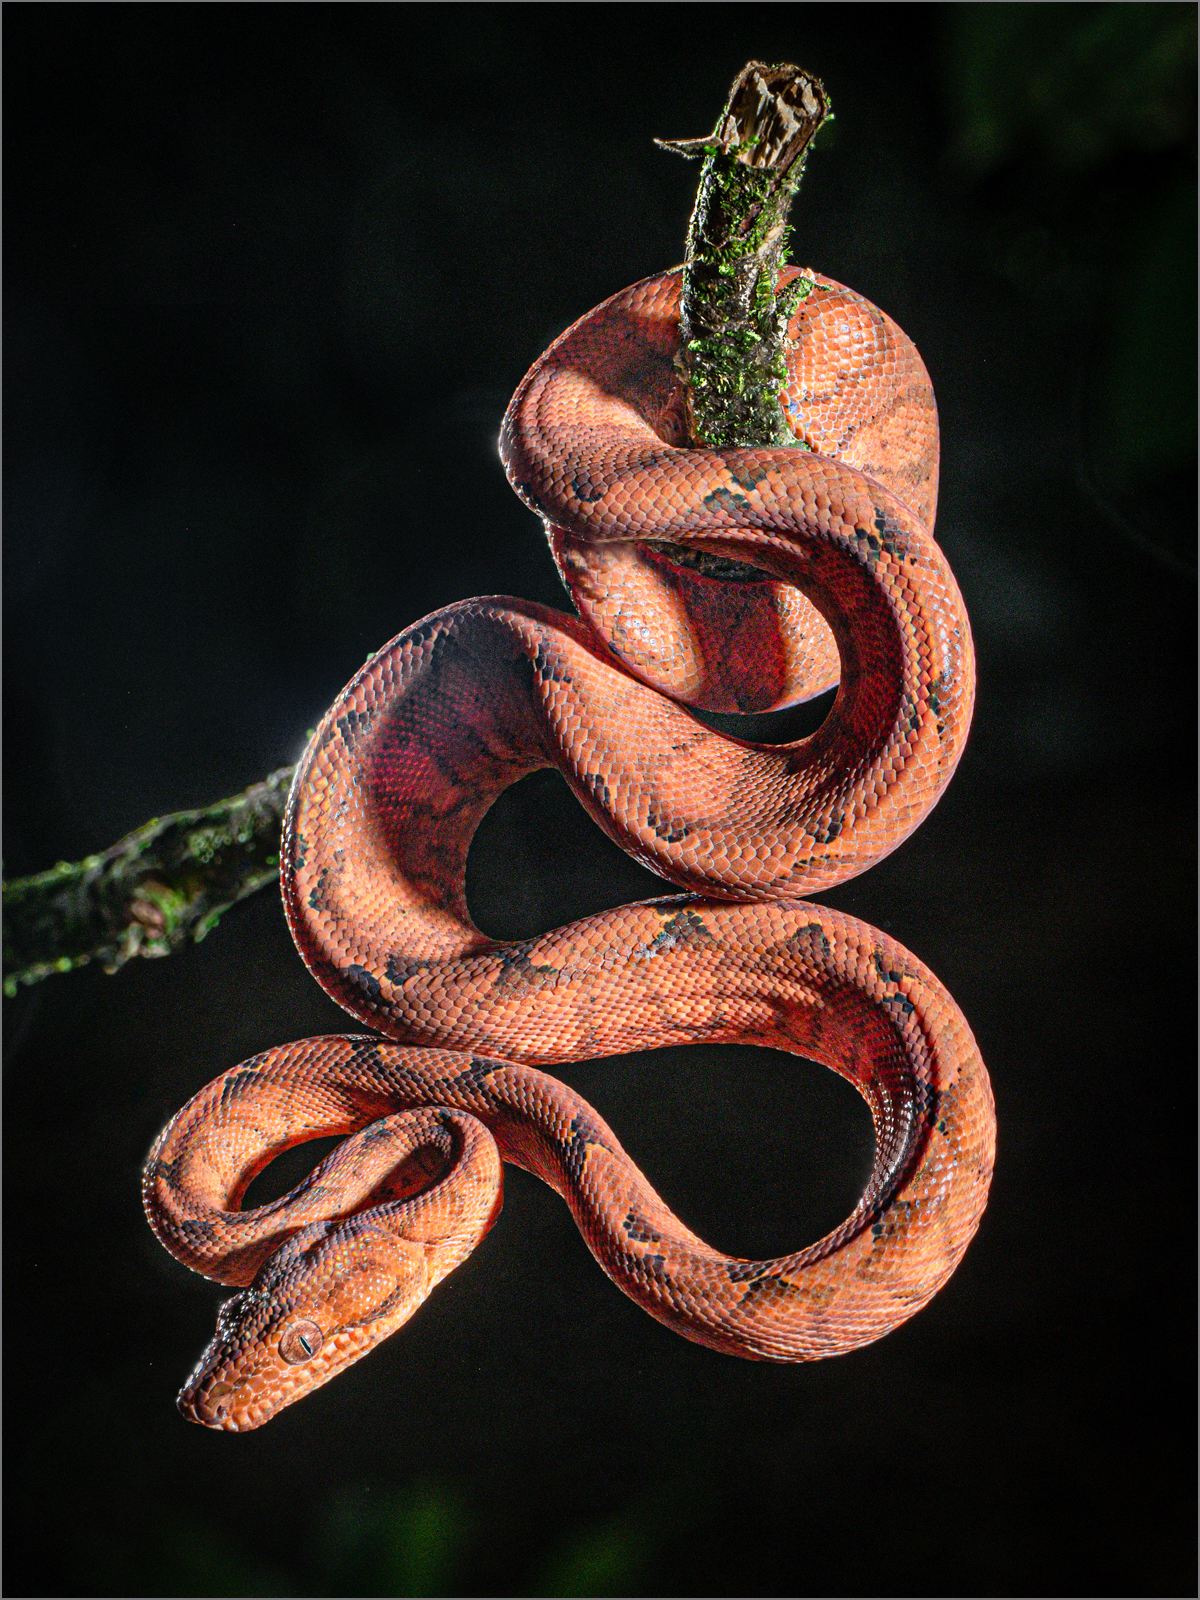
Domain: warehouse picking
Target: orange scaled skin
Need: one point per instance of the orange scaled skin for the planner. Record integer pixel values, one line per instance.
(436, 725)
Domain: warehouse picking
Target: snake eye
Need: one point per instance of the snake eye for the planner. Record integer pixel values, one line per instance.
(300, 1342)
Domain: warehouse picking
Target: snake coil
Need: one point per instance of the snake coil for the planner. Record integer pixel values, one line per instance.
(729, 580)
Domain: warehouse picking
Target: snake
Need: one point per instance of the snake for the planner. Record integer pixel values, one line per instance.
(704, 580)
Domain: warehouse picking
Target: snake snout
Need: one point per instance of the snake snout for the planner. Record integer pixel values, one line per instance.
(228, 1409)
(212, 1400)
(210, 1409)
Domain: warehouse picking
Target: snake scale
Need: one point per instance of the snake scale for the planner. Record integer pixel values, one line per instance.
(731, 580)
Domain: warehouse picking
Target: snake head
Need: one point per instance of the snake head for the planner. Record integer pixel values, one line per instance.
(322, 1301)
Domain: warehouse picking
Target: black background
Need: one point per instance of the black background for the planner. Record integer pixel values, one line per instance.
(271, 275)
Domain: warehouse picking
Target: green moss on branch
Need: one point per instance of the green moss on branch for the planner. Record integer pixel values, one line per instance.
(162, 887)
(733, 322)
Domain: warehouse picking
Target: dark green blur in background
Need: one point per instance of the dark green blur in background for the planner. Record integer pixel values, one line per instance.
(271, 274)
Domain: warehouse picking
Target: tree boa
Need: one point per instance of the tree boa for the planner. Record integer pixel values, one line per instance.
(743, 580)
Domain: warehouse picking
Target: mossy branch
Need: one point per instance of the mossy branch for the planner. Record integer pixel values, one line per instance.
(168, 884)
(733, 321)
(162, 887)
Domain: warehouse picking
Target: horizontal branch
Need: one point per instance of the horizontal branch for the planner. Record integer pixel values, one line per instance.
(164, 886)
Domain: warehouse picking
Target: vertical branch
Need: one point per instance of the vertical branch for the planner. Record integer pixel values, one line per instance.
(733, 322)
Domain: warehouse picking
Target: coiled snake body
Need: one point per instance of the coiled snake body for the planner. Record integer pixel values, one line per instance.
(734, 579)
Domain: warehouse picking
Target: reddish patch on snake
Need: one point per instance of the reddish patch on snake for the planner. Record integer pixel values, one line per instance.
(740, 579)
